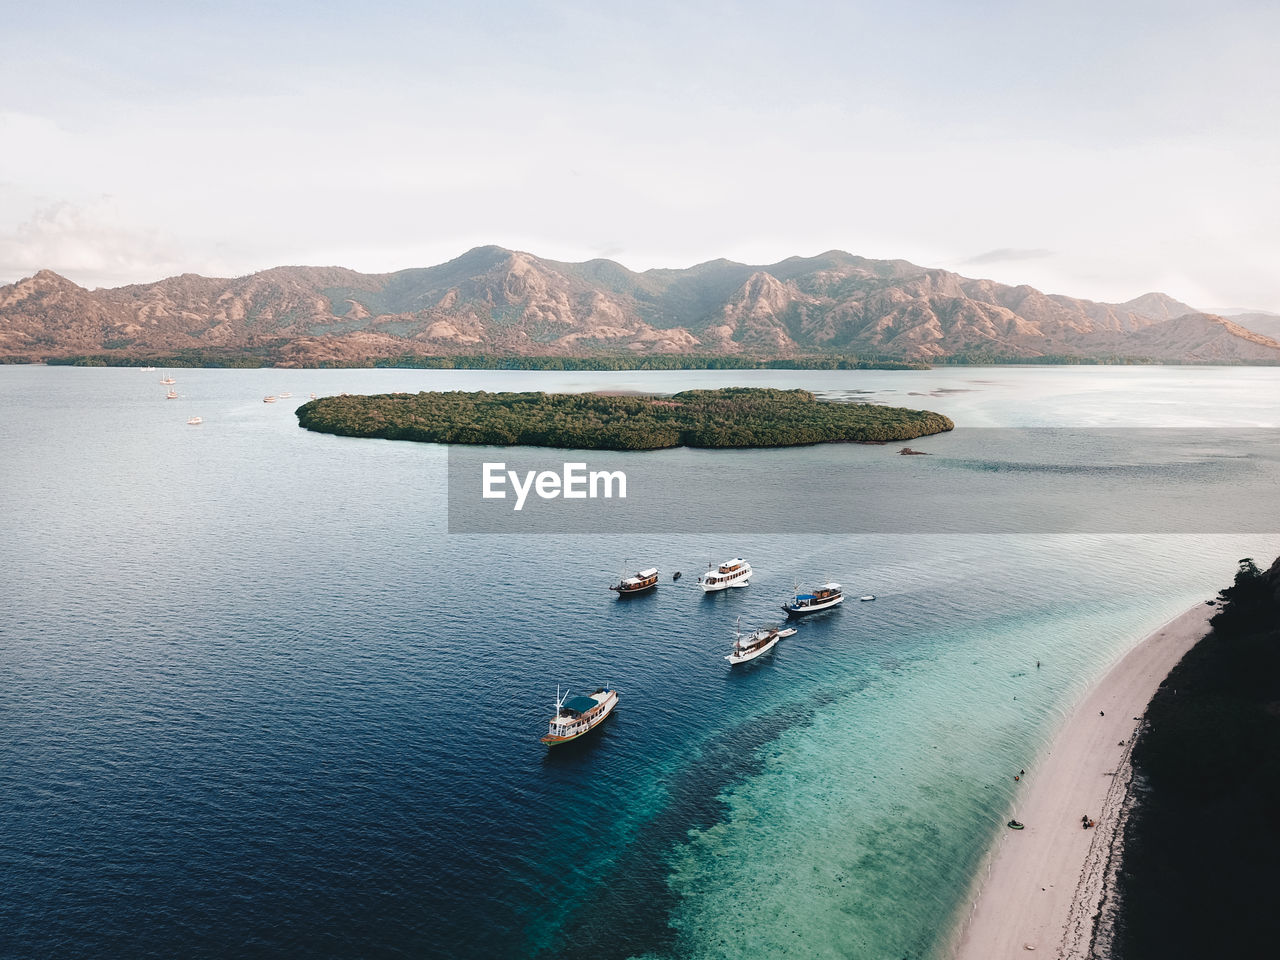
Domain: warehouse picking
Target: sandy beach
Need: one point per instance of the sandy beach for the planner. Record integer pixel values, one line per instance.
(1043, 884)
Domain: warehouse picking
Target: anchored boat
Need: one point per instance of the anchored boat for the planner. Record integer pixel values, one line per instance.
(639, 583)
(756, 642)
(575, 716)
(823, 598)
(731, 573)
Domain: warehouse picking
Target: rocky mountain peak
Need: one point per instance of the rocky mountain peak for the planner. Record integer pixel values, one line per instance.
(505, 301)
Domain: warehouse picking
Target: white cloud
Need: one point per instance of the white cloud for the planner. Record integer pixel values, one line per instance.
(90, 246)
(608, 132)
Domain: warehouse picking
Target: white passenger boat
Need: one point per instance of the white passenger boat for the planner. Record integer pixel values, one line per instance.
(575, 716)
(749, 646)
(639, 583)
(823, 598)
(731, 573)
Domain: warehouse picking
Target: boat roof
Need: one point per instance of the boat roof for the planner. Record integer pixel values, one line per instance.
(581, 704)
(644, 574)
(827, 586)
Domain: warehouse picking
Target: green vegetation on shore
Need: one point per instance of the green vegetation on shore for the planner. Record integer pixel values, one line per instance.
(1200, 874)
(273, 357)
(984, 358)
(220, 359)
(656, 361)
(659, 361)
(732, 417)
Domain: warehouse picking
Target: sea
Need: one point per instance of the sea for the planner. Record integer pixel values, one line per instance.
(256, 700)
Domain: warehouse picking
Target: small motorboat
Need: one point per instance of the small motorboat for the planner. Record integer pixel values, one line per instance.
(268, 399)
(869, 596)
(195, 421)
(1015, 825)
(676, 575)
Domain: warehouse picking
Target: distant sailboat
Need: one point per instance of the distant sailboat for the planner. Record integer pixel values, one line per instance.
(171, 395)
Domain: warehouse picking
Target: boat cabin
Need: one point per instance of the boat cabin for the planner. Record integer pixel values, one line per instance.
(642, 579)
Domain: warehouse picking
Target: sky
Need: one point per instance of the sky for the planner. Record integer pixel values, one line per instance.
(1097, 150)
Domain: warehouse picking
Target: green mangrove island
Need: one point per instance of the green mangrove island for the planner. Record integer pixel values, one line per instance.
(731, 417)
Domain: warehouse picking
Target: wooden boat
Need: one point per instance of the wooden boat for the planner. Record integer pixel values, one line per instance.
(576, 716)
(755, 643)
(641, 582)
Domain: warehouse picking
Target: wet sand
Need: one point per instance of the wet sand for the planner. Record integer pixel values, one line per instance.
(1042, 885)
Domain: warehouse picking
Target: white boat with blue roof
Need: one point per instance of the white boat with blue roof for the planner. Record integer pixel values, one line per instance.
(824, 597)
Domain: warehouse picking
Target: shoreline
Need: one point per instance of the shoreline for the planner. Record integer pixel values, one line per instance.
(1040, 888)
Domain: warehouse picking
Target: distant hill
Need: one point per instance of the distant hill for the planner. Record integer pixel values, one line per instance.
(496, 301)
(1267, 324)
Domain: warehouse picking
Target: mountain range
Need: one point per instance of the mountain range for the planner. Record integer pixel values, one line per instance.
(496, 301)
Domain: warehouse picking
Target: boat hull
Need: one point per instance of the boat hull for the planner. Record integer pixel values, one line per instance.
(717, 587)
(631, 592)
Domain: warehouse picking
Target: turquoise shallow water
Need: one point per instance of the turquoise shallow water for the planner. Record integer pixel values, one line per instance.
(257, 701)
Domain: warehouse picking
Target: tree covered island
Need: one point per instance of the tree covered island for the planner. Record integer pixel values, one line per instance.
(731, 417)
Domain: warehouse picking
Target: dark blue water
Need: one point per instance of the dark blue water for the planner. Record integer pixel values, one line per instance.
(255, 702)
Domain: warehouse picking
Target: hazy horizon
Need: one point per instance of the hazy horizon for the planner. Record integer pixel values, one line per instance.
(1098, 151)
